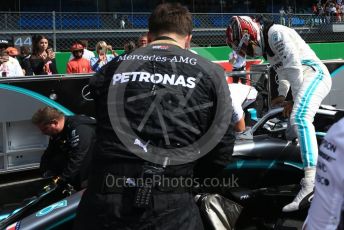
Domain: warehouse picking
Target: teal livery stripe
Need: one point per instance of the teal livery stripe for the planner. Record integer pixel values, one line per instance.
(261, 164)
(320, 134)
(334, 73)
(39, 97)
(303, 127)
(68, 218)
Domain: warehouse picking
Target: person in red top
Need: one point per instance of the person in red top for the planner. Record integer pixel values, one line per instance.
(78, 64)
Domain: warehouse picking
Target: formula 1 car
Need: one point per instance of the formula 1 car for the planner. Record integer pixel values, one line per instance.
(266, 166)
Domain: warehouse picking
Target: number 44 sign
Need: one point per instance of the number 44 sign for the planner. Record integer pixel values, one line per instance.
(25, 40)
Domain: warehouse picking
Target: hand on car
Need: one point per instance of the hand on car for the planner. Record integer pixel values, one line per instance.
(288, 108)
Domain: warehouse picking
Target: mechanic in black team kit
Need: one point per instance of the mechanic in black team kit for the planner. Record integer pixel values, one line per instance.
(158, 109)
(69, 152)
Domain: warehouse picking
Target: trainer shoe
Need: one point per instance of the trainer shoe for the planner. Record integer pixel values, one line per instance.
(307, 186)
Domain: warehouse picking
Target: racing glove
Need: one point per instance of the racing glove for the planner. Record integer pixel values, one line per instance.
(277, 101)
(288, 108)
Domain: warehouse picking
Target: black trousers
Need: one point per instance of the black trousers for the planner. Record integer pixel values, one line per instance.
(241, 77)
(168, 210)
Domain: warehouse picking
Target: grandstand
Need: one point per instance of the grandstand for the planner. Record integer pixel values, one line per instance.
(64, 21)
(195, 6)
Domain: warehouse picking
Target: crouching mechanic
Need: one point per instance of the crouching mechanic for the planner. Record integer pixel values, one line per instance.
(328, 201)
(158, 109)
(70, 146)
(297, 67)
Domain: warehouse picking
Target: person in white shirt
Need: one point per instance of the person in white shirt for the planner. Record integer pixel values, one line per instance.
(240, 95)
(238, 60)
(328, 201)
(122, 24)
(298, 68)
(87, 53)
(282, 16)
(9, 67)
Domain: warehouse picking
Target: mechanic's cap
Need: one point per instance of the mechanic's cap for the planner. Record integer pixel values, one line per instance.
(4, 43)
(76, 46)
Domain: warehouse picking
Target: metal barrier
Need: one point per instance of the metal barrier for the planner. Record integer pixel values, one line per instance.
(117, 28)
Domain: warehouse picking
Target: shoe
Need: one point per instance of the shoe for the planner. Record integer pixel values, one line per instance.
(304, 195)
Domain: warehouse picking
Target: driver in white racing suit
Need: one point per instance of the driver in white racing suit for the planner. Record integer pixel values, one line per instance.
(327, 204)
(298, 68)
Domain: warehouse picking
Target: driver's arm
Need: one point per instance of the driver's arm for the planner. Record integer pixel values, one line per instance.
(290, 73)
(283, 87)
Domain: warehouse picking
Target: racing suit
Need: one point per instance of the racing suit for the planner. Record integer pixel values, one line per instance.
(69, 153)
(298, 67)
(175, 70)
(328, 201)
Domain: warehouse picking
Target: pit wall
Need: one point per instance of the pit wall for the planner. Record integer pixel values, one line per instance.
(325, 51)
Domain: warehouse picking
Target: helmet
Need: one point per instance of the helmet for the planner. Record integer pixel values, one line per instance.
(243, 34)
(76, 46)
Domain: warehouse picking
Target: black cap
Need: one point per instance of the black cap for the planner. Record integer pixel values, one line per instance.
(4, 42)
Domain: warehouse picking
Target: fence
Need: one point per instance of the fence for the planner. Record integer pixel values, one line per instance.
(117, 28)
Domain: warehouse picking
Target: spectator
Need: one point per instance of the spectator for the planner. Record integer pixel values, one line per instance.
(143, 41)
(113, 52)
(122, 24)
(87, 53)
(12, 52)
(103, 58)
(339, 13)
(282, 16)
(332, 11)
(129, 46)
(78, 64)
(25, 54)
(70, 145)
(314, 9)
(321, 12)
(9, 67)
(4, 44)
(42, 61)
(290, 12)
(238, 60)
(315, 14)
